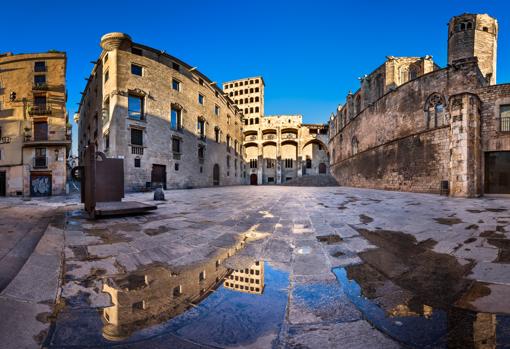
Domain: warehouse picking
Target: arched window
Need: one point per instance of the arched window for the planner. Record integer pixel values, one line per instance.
(413, 72)
(404, 75)
(357, 105)
(354, 145)
(435, 111)
(217, 134)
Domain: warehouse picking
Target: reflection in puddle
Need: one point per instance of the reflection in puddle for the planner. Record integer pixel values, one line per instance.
(419, 325)
(213, 306)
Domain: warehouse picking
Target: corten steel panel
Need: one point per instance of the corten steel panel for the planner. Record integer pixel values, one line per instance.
(109, 180)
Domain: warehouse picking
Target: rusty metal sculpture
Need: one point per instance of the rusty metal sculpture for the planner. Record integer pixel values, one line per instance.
(102, 186)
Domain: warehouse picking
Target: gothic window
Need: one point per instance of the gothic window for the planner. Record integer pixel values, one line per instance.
(354, 145)
(357, 107)
(404, 75)
(413, 73)
(434, 111)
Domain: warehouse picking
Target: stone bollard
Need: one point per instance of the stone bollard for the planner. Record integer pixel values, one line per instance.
(159, 194)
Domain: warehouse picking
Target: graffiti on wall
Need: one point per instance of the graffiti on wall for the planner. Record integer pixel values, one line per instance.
(40, 185)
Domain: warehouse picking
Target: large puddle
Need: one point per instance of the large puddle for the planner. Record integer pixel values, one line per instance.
(402, 289)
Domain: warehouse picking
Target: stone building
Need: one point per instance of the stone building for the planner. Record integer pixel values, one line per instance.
(413, 126)
(248, 95)
(277, 148)
(34, 132)
(248, 280)
(172, 125)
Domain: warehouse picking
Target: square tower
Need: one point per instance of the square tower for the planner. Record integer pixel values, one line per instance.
(248, 95)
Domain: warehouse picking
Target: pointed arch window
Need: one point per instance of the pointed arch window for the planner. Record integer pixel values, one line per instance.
(435, 111)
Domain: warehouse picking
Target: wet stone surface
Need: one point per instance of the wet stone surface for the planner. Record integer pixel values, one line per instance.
(264, 267)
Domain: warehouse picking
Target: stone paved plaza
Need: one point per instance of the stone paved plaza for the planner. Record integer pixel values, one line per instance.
(343, 268)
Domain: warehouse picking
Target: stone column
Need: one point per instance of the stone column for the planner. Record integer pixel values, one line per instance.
(465, 146)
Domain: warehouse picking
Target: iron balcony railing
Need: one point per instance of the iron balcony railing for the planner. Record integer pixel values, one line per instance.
(505, 124)
(40, 162)
(289, 136)
(136, 150)
(269, 136)
(40, 86)
(251, 138)
(42, 109)
(5, 140)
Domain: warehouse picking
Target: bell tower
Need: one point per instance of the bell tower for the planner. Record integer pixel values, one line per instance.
(474, 35)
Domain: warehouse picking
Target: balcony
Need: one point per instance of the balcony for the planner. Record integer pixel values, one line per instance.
(41, 86)
(505, 124)
(289, 136)
(137, 150)
(39, 110)
(5, 140)
(40, 162)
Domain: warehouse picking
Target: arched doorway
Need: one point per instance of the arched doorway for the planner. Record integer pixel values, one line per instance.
(322, 167)
(216, 174)
(253, 179)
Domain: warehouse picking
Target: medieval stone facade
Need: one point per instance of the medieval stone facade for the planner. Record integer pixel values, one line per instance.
(280, 148)
(34, 131)
(434, 129)
(171, 124)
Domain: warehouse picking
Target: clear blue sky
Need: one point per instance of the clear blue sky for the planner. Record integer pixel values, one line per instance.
(309, 52)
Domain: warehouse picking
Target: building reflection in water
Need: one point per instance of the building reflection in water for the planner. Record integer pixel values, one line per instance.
(417, 324)
(158, 293)
(249, 280)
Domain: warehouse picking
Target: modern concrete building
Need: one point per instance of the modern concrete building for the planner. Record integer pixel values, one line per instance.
(280, 148)
(415, 127)
(35, 134)
(172, 125)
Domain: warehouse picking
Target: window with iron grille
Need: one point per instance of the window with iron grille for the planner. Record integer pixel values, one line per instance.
(136, 137)
(504, 114)
(176, 145)
(288, 163)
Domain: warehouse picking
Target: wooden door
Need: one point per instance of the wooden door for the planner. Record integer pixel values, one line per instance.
(3, 184)
(322, 167)
(216, 174)
(158, 176)
(253, 179)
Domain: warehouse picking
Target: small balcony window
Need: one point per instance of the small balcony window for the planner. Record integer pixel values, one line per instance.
(40, 66)
(40, 80)
(175, 119)
(504, 113)
(136, 137)
(201, 99)
(135, 107)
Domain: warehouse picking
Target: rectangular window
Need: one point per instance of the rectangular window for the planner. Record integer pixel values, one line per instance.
(201, 151)
(176, 85)
(40, 66)
(175, 119)
(40, 80)
(253, 163)
(216, 110)
(201, 128)
(106, 75)
(138, 162)
(40, 131)
(177, 291)
(200, 99)
(504, 113)
(40, 158)
(40, 101)
(271, 163)
(175, 66)
(136, 70)
(176, 145)
(228, 161)
(201, 276)
(136, 137)
(107, 141)
(135, 107)
(288, 163)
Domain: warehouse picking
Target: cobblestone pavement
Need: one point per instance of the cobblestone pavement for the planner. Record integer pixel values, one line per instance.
(342, 267)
